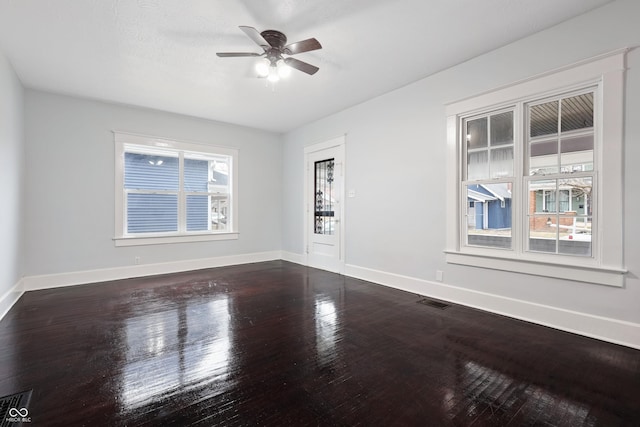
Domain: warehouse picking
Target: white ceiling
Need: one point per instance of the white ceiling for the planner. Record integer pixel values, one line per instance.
(161, 53)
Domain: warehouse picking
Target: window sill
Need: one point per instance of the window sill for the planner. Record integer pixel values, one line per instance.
(183, 238)
(580, 273)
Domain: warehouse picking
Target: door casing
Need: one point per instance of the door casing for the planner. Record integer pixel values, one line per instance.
(333, 148)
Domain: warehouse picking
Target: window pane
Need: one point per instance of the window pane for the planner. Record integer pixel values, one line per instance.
(502, 162)
(149, 172)
(542, 214)
(563, 223)
(152, 213)
(577, 112)
(325, 197)
(207, 212)
(206, 175)
(478, 165)
(196, 175)
(543, 157)
(542, 236)
(575, 236)
(489, 215)
(219, 212)
(219, 175)
(502, 129)
(197, 213)
(543, 119)
(477, 133)
(581, 190)
(577, 154)
(542, 196)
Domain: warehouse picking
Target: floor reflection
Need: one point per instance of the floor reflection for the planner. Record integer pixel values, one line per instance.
(176, 350)
(326, 317)
(488, 393)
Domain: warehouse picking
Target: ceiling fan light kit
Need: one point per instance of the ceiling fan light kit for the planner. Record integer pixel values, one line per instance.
(284, 70)
(275, 61)
(262, 67)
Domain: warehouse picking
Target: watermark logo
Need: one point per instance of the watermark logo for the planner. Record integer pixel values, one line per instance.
(18, 416)
(22, 412)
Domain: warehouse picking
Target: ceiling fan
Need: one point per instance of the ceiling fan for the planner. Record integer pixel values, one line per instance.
(274, 63)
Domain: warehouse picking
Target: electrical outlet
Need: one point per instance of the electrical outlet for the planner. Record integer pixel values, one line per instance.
(439, 275)
(136, 260)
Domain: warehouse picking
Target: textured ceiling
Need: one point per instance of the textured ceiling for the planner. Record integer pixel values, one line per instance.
(161, 53)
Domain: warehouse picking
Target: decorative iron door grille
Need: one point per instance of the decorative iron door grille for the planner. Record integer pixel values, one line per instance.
(324, 197)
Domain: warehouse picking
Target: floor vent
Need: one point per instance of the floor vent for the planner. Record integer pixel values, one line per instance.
(434, 304)
(14, 408)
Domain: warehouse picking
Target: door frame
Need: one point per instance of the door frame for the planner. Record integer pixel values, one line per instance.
(338, 144)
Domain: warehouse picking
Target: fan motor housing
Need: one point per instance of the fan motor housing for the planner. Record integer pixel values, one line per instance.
(275, 38)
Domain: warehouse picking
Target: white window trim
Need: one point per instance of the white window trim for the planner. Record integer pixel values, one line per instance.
(121, 239)
(606, 265)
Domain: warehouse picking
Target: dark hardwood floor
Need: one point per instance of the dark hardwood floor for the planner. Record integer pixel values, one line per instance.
(280, 344)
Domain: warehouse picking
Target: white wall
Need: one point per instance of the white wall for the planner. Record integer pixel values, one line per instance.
(395, 226)
(11, 176)
(70, 184)
(395, 160)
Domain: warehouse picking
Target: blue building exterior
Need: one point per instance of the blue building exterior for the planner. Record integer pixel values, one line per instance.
(491, 204)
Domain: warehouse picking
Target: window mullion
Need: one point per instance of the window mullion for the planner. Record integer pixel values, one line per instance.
(209, 206)
(559, 140)
(182, 221)
(125, 207)
(519, 203)
(462, 195)
(556, 206)
(489, 147)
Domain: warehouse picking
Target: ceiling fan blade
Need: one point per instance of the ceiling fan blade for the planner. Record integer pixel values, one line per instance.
(236, 54)
(301, 65)
(302, 46)
(255, 35)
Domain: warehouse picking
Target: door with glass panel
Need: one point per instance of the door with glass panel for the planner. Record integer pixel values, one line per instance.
(324, 208)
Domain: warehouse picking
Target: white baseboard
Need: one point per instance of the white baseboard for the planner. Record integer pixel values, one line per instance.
(293, 257)
(602, 328)
(10, 298)
(47, 281)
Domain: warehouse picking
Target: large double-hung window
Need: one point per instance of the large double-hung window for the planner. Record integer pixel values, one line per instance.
(535, 184)
(171, 191)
